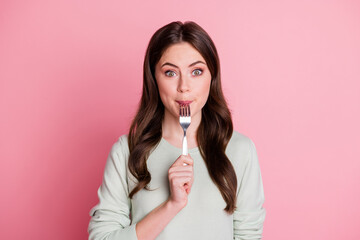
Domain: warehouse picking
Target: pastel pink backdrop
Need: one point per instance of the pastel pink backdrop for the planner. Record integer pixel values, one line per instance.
(71, 78)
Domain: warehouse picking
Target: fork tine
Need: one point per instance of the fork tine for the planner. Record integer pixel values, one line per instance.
(184, 111)
(189, 110)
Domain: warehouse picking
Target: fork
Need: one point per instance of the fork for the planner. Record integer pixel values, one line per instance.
(185, 120)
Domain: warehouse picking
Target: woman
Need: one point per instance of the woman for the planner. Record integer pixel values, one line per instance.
(150, 190)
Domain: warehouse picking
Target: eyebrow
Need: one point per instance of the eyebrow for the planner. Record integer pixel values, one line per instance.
(194, 63)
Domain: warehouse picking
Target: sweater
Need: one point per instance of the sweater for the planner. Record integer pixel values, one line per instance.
(115, 215)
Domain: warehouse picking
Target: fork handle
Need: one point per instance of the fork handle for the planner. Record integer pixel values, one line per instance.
(185, 148)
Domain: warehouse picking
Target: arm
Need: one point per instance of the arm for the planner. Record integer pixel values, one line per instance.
(249, 214)
(180, 181)
(110, 218)
(152, 225)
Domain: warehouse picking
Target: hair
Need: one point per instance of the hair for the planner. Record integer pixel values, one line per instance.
(216, 125)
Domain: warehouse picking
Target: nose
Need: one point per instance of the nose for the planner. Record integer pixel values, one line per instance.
(183, 85)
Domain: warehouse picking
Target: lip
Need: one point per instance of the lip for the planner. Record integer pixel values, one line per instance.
(184, 102)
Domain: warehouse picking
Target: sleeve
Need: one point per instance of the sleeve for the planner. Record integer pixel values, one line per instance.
(249, 215)
(110, 218)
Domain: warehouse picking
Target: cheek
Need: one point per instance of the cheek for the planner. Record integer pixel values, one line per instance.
(165, 92)
(204, 89)
(202, 94)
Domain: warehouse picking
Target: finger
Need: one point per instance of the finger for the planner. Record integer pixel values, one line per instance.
(184, 160)
(180, 180)
(174, 175)
(186, 168)
(187, 188)
(189, 160)
(190, 183)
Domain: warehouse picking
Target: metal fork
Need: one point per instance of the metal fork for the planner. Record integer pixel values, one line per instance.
(185, 120)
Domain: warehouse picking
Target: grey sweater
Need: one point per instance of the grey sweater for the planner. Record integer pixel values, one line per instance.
(115, 216)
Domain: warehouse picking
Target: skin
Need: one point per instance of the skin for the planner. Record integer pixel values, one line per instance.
(182, 83)
(177, 80)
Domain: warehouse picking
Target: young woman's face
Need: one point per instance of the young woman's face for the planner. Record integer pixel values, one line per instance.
(183, 76)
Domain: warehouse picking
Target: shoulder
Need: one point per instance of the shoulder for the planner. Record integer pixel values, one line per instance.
(121, 146)
(239, 142)
(239, 147)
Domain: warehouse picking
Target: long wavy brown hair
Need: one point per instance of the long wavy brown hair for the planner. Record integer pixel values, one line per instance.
(216, 126)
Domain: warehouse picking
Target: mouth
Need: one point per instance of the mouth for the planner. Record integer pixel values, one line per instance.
(184, 102)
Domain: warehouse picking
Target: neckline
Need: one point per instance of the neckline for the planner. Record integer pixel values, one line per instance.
(190, 150)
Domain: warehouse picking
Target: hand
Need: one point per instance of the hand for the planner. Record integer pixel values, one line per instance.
(181, 178)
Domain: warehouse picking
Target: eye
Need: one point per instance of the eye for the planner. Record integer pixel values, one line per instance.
(197, 72)
(170, 73)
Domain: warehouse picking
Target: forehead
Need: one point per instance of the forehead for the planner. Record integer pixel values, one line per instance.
(181, 52)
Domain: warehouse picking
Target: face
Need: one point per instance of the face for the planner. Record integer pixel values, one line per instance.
(182, 75)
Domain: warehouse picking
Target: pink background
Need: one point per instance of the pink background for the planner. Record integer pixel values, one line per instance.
(71, 78)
